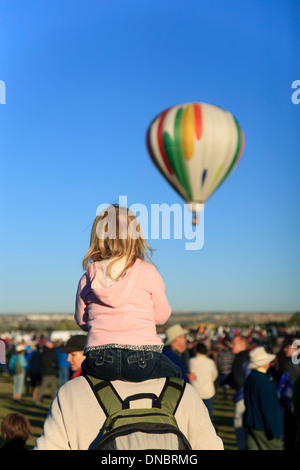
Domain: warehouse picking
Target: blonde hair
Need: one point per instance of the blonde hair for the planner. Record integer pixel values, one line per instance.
(116, 233)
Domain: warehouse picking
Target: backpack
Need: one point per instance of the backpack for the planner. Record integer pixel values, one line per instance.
(142, 428)
(18, 368)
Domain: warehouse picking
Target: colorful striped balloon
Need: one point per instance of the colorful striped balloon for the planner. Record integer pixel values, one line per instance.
(195, 146)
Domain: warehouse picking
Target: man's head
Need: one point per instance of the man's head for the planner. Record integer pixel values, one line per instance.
(75, 347)
(201, 349)
(260, 358)
(176, 337)
(289, 346)
(239, 343)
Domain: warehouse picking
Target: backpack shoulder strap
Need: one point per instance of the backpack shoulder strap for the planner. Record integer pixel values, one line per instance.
(171, 394)
(111, 402)
(106, 395)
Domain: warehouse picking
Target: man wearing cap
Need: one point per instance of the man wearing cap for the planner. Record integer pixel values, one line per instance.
(262, 418)
(74, 348)
(285, 377)
(175, 345)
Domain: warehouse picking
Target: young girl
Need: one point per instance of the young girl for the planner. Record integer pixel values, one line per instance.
(120, 300)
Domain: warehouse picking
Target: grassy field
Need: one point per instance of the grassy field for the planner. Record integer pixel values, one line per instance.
(223, 418)
(36, 414)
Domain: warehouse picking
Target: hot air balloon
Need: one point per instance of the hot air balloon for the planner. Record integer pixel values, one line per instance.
(195, 146)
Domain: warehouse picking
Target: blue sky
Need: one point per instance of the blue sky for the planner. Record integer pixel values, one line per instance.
(84, 80)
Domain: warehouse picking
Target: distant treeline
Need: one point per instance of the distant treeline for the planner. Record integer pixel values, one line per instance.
(26, 325)
(294, 320)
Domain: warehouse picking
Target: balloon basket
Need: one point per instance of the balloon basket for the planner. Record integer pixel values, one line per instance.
(195, 220)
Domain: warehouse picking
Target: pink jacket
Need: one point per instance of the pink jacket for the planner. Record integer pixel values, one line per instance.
(125, 312)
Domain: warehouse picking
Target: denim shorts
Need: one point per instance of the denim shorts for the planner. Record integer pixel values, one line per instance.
(128, 364)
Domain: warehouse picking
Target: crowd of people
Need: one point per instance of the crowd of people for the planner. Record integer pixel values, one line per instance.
(39, 366)
(119, 304)
(262, 368)
(258, 366)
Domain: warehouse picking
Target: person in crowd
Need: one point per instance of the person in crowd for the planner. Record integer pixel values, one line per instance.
(238, 375)
(15, 430)
(3, 357)
(224, 360)
(175, 345)
(63, 365)
(74, 349)
(120, 299)
(262, 418)
(286, 375)
(34, 370)
(28, 385)
(49, 371)
(296, 411)
(206, 374)
(17, 367)
(75, 418)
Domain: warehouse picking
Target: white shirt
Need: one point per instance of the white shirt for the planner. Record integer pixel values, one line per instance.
(206, 373)
(75, 417)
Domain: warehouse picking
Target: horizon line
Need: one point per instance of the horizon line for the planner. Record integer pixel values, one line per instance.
(175, 312)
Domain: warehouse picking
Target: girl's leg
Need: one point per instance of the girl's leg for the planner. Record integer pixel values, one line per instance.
(138, 366)
(102, 363)
(128, 364)
(18, 386)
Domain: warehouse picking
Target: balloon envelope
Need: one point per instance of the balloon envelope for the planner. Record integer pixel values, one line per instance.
(195, 146)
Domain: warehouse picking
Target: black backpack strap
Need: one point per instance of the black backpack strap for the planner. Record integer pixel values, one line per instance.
(171, 394)
(106, 395)
(111, 402)
(138, 396)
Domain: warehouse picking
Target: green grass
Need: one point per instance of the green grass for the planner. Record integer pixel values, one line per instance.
(36, 414)
(223, 418)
